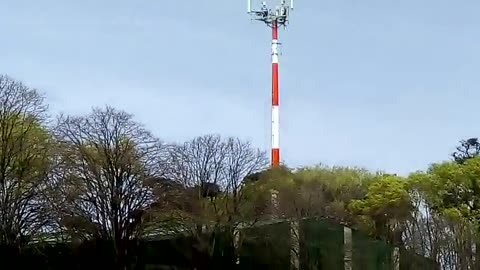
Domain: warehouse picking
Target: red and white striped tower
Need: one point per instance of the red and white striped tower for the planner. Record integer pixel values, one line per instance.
(275, 98)
(274, 19)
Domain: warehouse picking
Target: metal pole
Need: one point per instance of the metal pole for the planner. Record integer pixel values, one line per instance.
(275, 98)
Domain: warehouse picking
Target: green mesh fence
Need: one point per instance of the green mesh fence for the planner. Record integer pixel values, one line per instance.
(370, 254)
(266, 247)
(321, 245)
(176, 252)
(411, 261)
(209, 251)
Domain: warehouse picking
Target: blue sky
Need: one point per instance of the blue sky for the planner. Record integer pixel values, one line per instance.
(387, 85)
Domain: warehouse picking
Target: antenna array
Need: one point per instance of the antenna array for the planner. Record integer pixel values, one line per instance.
(279, 14)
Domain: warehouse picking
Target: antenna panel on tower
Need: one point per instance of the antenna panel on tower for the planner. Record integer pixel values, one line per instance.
(270, 11)
(256, 5)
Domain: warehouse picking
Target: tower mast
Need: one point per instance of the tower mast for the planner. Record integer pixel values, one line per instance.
(274, 19)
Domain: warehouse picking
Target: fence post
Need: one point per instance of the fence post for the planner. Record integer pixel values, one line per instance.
(347, 248)
(295, 245)
(236, 244)
(274, 203)
(396, 258)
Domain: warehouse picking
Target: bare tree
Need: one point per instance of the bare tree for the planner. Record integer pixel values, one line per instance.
(106, 159)
(24, 163)
(198, 161)
(212, 167)
(211, 171)
(241, 161)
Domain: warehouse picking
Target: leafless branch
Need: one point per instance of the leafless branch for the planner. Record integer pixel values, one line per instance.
(24, 161)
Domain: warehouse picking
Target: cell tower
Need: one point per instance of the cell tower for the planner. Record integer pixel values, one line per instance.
(274, 19)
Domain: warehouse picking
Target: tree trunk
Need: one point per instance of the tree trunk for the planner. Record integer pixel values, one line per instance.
(120, 254)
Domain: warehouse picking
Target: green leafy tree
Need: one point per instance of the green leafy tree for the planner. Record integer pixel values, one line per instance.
(386, 201)
(318, 191)
(452, 191)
